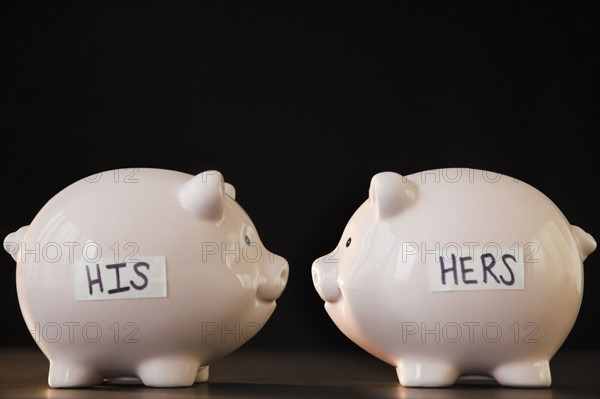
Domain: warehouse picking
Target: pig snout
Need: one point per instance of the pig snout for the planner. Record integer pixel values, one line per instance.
(273, 279)
(325, 275)
(585, 242)
(12, 242)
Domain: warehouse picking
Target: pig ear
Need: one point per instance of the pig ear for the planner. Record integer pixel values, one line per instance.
(230, 190)
(391, 193)
(202, 195)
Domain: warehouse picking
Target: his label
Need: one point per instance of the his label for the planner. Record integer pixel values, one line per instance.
(106, 279)
(477, 270)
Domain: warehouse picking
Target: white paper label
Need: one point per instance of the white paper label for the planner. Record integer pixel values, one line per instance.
(145, 277)
(498, 269)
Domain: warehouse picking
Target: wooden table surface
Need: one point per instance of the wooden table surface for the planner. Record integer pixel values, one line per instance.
(249, 374)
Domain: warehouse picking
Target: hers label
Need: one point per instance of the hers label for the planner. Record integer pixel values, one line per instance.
(476, 269)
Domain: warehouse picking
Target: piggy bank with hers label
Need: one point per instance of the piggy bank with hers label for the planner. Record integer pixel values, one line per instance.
(454, 272)
(144, 273)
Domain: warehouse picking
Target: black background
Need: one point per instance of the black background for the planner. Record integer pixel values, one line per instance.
(299, 105)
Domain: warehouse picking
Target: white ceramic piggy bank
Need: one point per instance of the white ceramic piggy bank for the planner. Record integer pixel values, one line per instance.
(143, 273)
(456, 271)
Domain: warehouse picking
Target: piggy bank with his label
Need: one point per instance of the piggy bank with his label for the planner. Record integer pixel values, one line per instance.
(454, 272)
(144, 273)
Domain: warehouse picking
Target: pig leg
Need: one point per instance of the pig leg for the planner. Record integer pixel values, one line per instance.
(169, 371)
(426, 373)
(72, 375)
(524, 374)
(202, 375)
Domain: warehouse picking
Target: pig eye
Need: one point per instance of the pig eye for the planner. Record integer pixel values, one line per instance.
(247, 240)
(348, 242)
